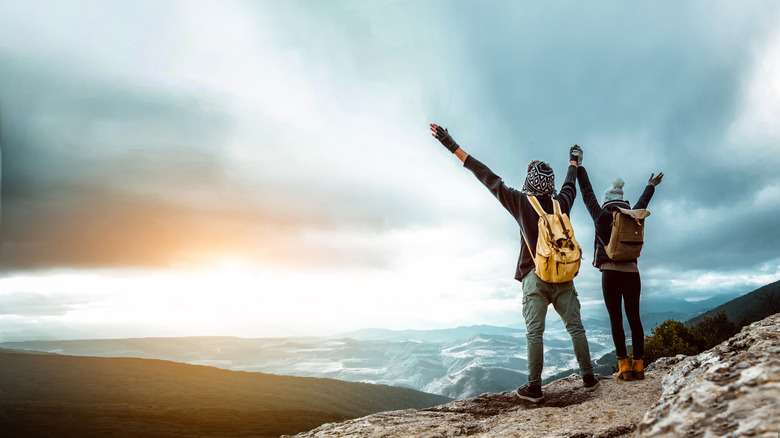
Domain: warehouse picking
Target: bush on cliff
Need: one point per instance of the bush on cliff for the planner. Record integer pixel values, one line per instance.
(671, 337)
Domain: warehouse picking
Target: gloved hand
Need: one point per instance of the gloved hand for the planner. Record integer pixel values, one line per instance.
(655, 180)
(444, 137)
(575, 154)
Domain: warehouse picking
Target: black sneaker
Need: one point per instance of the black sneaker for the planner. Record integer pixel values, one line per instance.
(590, 382)
(532, 393)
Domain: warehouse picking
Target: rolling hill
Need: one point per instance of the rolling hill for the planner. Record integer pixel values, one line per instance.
(750, 307)
(44, 395)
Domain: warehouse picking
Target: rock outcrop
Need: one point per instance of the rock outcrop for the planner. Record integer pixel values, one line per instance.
(732, 390)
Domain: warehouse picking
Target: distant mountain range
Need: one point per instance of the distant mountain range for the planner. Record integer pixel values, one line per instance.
(450, 366)
(440, 335)
(656, 310)
(45, 395)
(459, 363)
(681, 306)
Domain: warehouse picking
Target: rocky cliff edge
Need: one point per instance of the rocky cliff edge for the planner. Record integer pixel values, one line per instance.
(732, 390)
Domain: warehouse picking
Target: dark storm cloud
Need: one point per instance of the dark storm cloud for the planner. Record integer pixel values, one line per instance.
(643, 88)
(92, 168)
(72, 149)
(553, 79)
(65, 127)
(731, 239)
(97, 175)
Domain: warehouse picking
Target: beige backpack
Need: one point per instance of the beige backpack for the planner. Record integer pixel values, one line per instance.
(558, 254)
(628, 234)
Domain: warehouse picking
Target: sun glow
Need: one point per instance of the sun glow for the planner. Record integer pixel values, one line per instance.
(239, 296)
(220, 300)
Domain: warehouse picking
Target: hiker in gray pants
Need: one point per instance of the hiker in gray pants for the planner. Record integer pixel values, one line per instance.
(537, 294)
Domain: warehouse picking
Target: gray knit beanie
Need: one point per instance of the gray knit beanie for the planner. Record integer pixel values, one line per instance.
(615, 192)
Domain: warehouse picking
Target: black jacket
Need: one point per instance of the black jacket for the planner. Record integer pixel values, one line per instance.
(521, 209)
(602, 215)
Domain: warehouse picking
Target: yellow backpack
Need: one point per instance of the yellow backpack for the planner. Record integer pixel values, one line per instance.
(558, 254)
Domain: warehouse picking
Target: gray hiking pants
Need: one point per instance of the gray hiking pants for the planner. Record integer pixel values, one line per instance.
(537, 295)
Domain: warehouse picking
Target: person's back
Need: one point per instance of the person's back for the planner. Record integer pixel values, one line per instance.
(537, 294)
(620, 280)
(540, 182)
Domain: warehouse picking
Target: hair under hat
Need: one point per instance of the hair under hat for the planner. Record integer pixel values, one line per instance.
(615, 192)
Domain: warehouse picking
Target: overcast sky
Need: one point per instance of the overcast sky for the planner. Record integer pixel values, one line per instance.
(264, 168)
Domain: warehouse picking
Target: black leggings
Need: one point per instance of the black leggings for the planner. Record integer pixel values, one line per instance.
(624, 286)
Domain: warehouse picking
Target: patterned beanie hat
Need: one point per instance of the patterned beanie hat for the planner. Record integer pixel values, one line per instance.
(540, 179)
(614, 193)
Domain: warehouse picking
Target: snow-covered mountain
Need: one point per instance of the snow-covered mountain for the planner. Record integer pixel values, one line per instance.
(458, 363)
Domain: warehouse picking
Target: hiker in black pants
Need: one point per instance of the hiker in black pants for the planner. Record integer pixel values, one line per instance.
(620, 281)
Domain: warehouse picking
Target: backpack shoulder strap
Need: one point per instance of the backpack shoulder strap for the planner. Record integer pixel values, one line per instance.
(540, 211)
(536, 205)
(528, 246)
(559, 214)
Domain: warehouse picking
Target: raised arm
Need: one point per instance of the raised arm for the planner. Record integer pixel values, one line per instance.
(446, 139)
(588, 196)
(507, 196)
(569, 190)
(649, 190)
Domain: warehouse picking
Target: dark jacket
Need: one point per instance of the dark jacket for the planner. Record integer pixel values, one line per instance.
(520, 208)
(602, 215)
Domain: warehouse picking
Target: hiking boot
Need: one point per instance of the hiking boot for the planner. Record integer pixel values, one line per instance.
(638, 368)
(624, 369)
(590, 382)
(532, 393)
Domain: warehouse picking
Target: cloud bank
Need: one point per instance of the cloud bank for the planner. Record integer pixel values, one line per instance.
(292, 138)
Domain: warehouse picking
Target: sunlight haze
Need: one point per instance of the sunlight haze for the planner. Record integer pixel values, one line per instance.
(264, 168)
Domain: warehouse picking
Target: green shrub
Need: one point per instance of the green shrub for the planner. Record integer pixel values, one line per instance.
(713, 330)
(668, 339)
(671, 337)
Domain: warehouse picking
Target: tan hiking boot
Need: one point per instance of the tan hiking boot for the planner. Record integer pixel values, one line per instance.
(638, 368)
(624, 369)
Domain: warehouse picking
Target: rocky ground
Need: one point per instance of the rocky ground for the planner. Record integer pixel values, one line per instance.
(612, 410)
(732, 390)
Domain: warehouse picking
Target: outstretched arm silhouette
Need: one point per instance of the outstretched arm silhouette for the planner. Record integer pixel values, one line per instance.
(447, 141)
